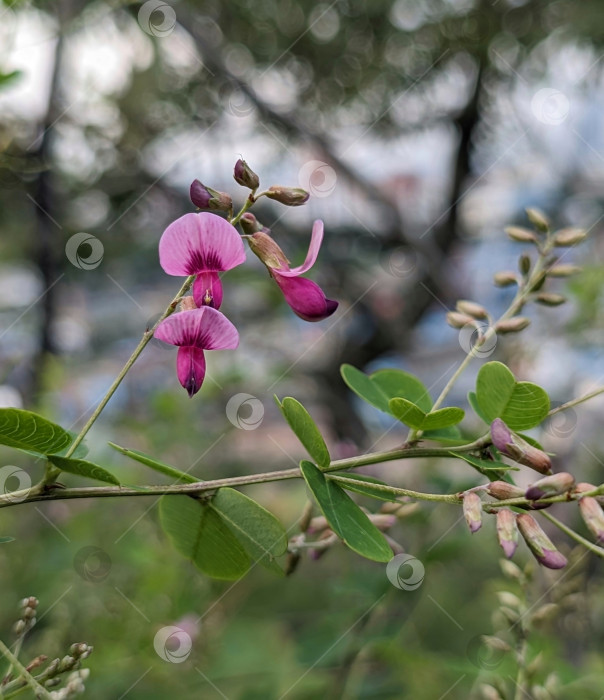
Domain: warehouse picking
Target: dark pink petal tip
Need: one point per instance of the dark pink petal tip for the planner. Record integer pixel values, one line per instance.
(552, 559)
(509, 548)
(501, 435)
(191, 369)
(197, 243)
(305, 297)
(207, 290)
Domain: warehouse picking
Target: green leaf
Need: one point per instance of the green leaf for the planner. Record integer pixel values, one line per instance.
(4, 540)
(258, 531)
(532, 441)
(413, 416)
(484, 464)
(473, 401)
(157, 466)
(448, 436)
(200, 534)
(520, 405)
(83, 468)
(345, 518)
(364, 488)
(30, 432)
(398, 384)
(306, 431)
(385, 384)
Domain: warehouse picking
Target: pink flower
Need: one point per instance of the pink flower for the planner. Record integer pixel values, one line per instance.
(193, 332)
(202, 245)
(304, 296)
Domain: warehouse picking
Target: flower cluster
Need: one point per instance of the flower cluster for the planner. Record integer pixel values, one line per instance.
(203, 245)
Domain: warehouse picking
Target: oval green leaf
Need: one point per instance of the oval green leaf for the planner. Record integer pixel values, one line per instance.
(83, 468)
(306, 431)
(345, 518)
(157, 466)
(30, 432)
(200, 534)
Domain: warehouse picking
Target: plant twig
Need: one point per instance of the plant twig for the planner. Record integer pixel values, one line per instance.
(39, 691)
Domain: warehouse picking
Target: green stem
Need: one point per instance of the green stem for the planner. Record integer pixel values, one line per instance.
(440, 497)
(574, 535)
(147, 335)
(246, 205)
(39, 691)
(521, 678)
(576, 402)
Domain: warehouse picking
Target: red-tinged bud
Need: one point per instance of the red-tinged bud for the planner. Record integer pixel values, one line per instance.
(550, 486)
(539, 543)
(250, 224)
(593, 516)
(507, 531)
(513, 446)
(472, 510)
(268, 251)
(501, 490)
(245, 176)
(290, 196)
(205, 197)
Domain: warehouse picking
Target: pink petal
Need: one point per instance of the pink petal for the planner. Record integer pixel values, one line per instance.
(305, 297)
(203, 328)
(313, 251)
(207, 290)
(191, 369)
(198, 242)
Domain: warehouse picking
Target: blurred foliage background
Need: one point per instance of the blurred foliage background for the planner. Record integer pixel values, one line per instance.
(420, 129)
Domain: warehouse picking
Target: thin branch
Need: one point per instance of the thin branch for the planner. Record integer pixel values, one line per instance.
(39, 691)
(575, 535)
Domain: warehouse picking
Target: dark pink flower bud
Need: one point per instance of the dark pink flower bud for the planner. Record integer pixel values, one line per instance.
(250, 224)
(205, 197)
(539, 543)
(290, 196)
(507, 531)
(550, 486)
(472, 510)
(513, 446)
(245, 176)
(593, 516)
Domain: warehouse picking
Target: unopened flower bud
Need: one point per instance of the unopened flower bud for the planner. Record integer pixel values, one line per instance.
(511, 570)
(471, 308)
(52, 682)
(457, 320)
(524, 264)
(537, 218)
(510, 444)
(205, 197)
(383, 521)
(548, 299)
(501, 490)
(512, 325)
(290, 196)
(550, 486)
(539, 543)
(250, 224)
(472, 510)
(545, 613)
(507, 531)
(67, 662)
(522, 235)
(495, 643)
(565, 270)
(505, 278)
(569, 236)
(593, 516)
(245, 176)
(29, 613)
(267, 250)
(489, 692)
(19, 627)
